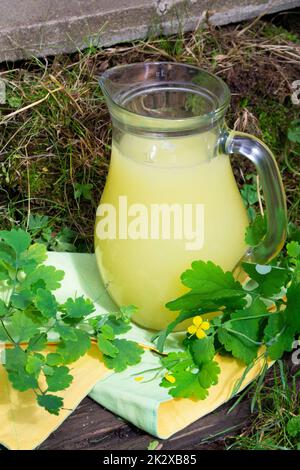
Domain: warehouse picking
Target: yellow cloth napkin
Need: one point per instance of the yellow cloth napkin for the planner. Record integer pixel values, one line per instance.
(23, 424)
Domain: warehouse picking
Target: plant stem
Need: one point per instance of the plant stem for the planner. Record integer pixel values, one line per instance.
(257, 343)
(8, 334)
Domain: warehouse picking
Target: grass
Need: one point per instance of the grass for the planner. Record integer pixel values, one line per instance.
(55, 128)
(55, 138)
(276, 422)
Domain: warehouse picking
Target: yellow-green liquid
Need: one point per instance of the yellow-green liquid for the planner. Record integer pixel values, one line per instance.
(146, 273)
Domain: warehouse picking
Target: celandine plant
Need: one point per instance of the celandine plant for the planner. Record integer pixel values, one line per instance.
(30, 317)
(257, 320)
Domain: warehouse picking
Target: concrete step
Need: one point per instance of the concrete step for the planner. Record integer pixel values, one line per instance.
(39, 27)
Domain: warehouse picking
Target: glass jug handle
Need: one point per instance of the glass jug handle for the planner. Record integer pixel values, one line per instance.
(274, 196)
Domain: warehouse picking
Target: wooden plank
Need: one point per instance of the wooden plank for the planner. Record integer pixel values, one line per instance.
(93, 427)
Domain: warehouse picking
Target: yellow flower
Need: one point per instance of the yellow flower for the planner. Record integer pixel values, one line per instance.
(138, 379)
(198, 327)
(170, 378)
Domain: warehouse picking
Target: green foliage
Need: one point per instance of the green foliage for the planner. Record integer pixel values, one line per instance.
(32, 313)
(249, 193)
(210, 288)
(240, 334)
(58, 378)
(190, 379)
(273, 31)
(293, 426)
(153, 445)
(83, 190)
(125, 353)
(42, 230)
(52, 403)
(270, 279)
(278, 335)
(70, 350)
(244, 322)
(275, 424)
(256, 231)
(243, 325)
(294, 131)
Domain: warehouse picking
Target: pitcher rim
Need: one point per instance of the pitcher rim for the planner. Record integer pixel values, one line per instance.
(190, 122)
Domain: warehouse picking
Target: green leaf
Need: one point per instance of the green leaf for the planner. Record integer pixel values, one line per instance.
(3, 309)
(249, 194)
(239, 335)
(37, 222)
(53, 359)
(63, 240)
(84, 190)
(194, 301)
(37, 342)
(107, 332)
(118, 325)
(127, 311)
(15, 362)
(270, 279)
(45, 277)
(292, 308)
(186, 385)
(18, 239)
(106, 346)
(46, 303)
(211, 282)
(34, 364)
(22, 299)
(48, 370)
(7, 255)
(66, 332)
(4, 274)
(293, 249)
(78, 308)
(177, 361)
(211, 288)
(21, 380)
(152, 445)
(51, 403)
(60, 379)
(256, 231)
(209, 374)
(22, 328)
(15, 358)
(73, 350)
(294, 131)
(202, 350)
(279, 335)
(129, 354)
(30, 259)
(37, 253)
(293, 426)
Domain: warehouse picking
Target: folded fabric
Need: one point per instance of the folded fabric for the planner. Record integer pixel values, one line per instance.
(24, 425)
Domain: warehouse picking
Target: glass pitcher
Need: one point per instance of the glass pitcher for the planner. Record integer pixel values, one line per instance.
(170, 196)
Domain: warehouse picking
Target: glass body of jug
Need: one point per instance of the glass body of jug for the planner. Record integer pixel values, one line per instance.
(170, 196)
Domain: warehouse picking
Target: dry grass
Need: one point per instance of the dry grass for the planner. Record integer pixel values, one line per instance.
(55, 129)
